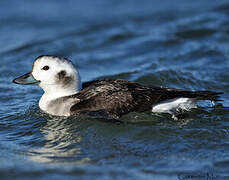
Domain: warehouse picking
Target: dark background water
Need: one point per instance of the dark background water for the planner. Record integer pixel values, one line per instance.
(183, 44)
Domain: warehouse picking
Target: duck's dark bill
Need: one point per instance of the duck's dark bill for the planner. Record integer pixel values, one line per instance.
(26, 79)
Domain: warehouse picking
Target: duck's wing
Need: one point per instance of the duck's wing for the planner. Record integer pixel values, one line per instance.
(114, 98)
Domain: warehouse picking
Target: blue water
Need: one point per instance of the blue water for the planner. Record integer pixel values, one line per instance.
(181, 44)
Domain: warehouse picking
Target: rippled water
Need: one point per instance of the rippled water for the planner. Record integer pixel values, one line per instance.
(166, 43)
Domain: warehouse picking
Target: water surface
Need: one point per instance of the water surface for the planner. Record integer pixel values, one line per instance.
(177, 44)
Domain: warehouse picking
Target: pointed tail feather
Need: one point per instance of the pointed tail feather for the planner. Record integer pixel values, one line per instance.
(207, 95)
(171, 93)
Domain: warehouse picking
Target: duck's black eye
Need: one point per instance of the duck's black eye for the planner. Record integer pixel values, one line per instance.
(45, 68)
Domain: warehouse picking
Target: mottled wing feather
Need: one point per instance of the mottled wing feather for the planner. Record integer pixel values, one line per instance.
(118, 97)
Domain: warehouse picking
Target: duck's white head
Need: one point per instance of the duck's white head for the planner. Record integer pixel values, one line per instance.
(56, 76)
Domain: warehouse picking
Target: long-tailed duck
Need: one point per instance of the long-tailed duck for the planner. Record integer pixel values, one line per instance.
(65, 96)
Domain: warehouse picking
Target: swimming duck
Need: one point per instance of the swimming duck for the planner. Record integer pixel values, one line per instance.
(65, 95)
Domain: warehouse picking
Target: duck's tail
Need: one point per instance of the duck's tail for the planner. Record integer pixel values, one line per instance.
(206, 95)
(198, 95)
(171, 93)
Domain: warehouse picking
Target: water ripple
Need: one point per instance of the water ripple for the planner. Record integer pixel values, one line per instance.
(174, 48)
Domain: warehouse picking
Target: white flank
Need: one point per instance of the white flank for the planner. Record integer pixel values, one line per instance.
(173, 105)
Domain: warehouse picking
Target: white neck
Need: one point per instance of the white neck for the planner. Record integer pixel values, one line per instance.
(56, 92)
(52, 92)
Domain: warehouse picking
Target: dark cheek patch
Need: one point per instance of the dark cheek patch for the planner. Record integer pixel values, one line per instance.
(63, 79)
(61, 75)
